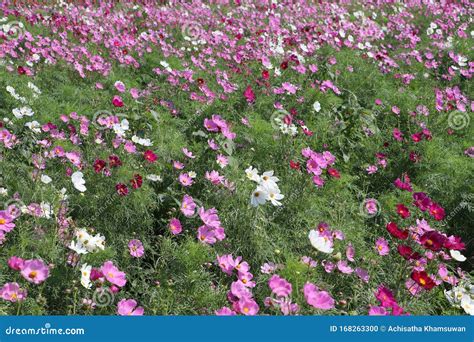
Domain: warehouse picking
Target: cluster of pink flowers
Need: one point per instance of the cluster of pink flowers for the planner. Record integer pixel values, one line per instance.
(8, 139)
(33, 270)
(281, 291)
(240, 294)
(217, 124)
(317, 162)
(7, 217)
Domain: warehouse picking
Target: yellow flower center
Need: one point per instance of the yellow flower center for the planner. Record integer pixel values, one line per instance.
(33, 274)
(246, 309)
(2, 221)
(422, 281)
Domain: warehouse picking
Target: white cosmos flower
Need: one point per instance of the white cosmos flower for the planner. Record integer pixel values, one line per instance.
(321, 243)
(274, 196)
(121, 128)
(252, 174)
(268, 180)
(34, 126)
(456, 255)
(154, 178)
(259, 196)
(46, 210)
(142, 141)
(86, 276)
(46, 179)
(22, 111)
(317, 106)
(455, 295)
(78, 181)
(78, 247)
(467, 304)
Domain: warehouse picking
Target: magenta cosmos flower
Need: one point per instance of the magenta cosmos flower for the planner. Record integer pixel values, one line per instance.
(136, 248)
(128, 307)
(318, 299)
(35, 271)
(12, 292)
(175, 226)
(113, 274)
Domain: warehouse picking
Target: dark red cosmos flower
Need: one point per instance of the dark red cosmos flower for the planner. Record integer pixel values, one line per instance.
(137, 181)
(334, 173)
(397, 232)
(200, 81)
(403, 211)
(423, 279)
(122, 189)
(96, 274)
(432, 240)
(294, 165)
(415, 157)
(421, 200)
(21, 70)
(99, 165)
(150, 156)
(114, 161)
(265, 74)
(407, 252)
(284, 65)
(437, 211)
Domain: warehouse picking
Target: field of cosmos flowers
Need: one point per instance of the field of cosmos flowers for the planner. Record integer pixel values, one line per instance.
(236, 158)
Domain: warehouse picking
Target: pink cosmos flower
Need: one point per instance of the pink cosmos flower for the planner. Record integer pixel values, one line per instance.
(280, 286)
(249, 94)
(362, 274)
(175, 226)
(128, 307)
(350, 252)
(6, 221)
(377, 311)
(113, 274)
(12, 292)
(248, 306)
(206, 234)
(226, 263)
(316, 298)
(185, 179)
(188, 153)
(371, 206)
(119, 86)
(136, 248)
(222, 160)
(35, 271)
(225, 311)
(188, 207)
(371, 169)
(214, 177)
(16, 263)
(343, 267)
(382, 246)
